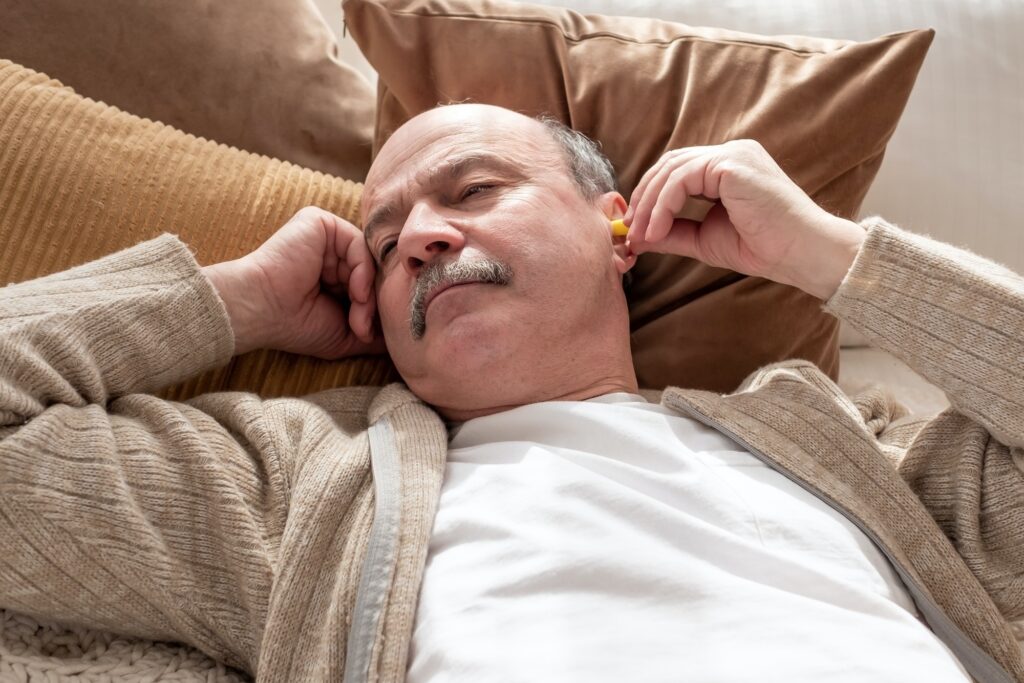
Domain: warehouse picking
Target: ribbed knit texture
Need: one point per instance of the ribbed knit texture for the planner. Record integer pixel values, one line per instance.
(958, 320)
(80, 179)
(239, 525)
(231, 523)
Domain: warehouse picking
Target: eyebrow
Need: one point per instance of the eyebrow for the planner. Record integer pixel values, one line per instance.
(453, 169)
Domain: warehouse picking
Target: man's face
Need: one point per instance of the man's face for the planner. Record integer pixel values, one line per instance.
(477, 203)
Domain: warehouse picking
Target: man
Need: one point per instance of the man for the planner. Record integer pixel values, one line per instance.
(516, 510)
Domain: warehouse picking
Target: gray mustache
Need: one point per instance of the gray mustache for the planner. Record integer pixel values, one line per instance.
(439, 274)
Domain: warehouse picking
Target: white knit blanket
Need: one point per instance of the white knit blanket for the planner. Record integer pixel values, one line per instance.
(33, 650)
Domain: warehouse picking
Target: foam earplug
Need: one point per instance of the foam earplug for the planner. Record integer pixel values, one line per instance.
(619, 229)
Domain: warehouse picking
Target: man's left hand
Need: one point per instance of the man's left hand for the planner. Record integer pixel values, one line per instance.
(762, 224)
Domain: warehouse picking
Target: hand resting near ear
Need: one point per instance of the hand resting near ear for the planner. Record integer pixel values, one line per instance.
(763, 224)
(291, 293)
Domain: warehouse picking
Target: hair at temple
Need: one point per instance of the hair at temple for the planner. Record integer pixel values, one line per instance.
(590, 168)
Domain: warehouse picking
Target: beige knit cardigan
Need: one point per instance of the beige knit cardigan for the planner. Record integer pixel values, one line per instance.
(268, 533)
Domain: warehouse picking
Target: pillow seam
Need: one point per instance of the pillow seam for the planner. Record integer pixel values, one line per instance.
(626, 39)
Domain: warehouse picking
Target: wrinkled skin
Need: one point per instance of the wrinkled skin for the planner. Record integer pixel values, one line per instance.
(559, 328)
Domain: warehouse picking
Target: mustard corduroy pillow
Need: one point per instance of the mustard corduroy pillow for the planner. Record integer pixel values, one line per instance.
(80, 179)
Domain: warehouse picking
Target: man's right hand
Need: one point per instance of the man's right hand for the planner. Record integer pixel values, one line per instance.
(291, 293)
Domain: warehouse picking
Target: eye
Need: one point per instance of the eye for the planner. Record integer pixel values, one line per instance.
(385, 249)
(474, 189)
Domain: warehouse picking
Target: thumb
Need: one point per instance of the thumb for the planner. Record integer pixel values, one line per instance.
(681, 240)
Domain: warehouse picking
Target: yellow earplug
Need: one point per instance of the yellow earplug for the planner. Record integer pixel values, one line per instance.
(619, 229)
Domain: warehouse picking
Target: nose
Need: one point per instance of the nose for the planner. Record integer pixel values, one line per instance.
(426, 234)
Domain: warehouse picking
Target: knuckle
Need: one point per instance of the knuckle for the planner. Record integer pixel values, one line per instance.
(678, 174)
(306, 214)
(756, 148)
(744, 145)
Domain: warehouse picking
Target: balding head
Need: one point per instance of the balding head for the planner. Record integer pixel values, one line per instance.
(489, 198)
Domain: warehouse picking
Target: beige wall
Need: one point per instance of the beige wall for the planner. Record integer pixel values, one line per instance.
(954, 168)
(349, 52)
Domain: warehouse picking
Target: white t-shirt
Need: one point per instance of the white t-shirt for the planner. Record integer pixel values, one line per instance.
(615, 540)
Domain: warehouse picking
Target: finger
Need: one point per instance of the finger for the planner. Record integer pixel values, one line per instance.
(372, 322)
(361, 318)
(336, 269)
(667, 157)
(363, 270)
(641, 187)
(683, 182)
(682, 240)
(360, 281)
(347, 257)
(329, 271)
(645, 180)
(356, 320)
(645, 202)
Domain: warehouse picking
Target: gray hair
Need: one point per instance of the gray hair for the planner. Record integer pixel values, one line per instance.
(589, 167)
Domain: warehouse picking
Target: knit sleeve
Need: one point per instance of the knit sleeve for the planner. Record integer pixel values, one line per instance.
(958, 320)
(134, 321)
(954, 317)
(120, 510)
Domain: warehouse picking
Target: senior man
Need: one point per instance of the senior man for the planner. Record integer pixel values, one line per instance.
(516, 510)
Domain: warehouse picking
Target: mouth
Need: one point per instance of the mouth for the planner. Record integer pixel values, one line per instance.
(439, 277)
(443, 288)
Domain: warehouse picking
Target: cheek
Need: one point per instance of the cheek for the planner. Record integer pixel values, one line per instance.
(561, 251)
(392, 307)
(538, 230)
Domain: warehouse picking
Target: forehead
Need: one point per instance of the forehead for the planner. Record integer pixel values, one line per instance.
(438, 144)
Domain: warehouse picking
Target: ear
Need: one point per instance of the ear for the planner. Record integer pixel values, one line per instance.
(613, 206)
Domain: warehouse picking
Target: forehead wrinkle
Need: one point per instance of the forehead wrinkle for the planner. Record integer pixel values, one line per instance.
(453, 167)
(449, 169)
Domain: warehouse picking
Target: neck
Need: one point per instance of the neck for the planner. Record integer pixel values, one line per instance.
(577, 361)
(623, 381)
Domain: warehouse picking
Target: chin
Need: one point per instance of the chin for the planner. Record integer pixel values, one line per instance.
(464, 358)
(469, 343)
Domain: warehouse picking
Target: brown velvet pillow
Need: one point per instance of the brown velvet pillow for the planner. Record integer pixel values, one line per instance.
(262, 75)
(80, 179)
(824, 109)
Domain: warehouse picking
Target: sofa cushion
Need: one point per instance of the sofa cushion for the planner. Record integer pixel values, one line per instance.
(80, 179)
(823, 108)
(261, 75)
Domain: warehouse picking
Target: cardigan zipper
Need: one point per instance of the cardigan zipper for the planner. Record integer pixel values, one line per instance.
(982, 667)
(376, 576)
